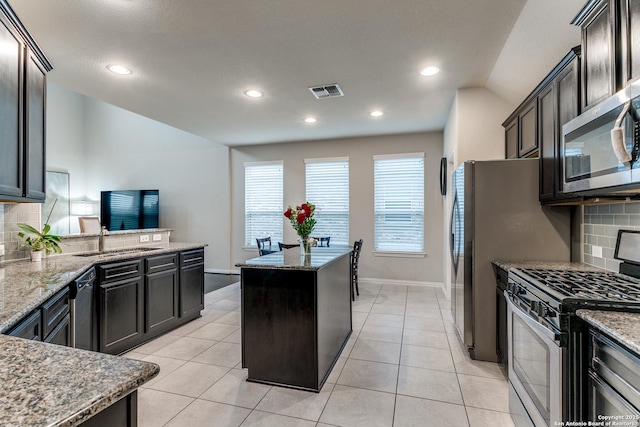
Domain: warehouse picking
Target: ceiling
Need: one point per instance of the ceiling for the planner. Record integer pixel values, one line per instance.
(192, 60)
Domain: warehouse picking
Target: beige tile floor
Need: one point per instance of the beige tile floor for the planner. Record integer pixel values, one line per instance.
(403, 366)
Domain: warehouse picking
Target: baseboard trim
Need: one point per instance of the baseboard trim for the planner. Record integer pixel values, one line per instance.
(372, 280)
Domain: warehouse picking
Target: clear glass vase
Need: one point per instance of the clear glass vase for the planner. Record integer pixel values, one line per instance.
(305, 246)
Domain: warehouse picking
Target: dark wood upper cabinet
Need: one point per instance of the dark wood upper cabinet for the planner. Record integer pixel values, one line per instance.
(23, 68)
(629, 38)
(535, 127)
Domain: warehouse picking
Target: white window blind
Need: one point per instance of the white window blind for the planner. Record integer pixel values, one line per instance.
(263, 202)
(399, 203)
(327, 184)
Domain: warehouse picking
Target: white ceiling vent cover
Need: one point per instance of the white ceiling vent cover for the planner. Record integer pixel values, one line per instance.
(326, 91)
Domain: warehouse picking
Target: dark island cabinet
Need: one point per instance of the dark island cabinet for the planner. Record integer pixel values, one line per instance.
(23, 68)
(121, 306)
(51, 322)
(161, 293)
(143, 298)
(191, 283)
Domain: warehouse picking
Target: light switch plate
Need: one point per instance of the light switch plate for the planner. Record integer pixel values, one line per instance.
(1, 249)
(157, 237)
(144, 238)
(596, 251)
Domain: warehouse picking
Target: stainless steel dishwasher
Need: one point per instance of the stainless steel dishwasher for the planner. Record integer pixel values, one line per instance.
(85, 329)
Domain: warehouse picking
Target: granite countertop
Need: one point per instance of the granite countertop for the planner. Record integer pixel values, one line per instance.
(25, 285)
(290, 259)
(555, 265)
(50, 385)
(118, 233)
(622, 326)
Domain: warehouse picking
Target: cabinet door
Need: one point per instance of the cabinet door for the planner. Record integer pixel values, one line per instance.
(61, 334)
(161, 301)
(547, 141)
(121, 317)
(630, 39)
(598, 55)
(528, 142)
(11, 72)
(511, 139)
(35, 89)
(29, 328)
(191, 289)
(568, 88)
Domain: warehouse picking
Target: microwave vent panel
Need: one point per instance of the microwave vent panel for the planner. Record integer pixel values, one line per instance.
(326, 91)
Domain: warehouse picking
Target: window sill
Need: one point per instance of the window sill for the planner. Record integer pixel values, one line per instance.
(399, 254)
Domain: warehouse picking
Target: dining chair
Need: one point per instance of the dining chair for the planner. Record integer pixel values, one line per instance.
(355, 257)
(323, 240)
(282, 246)
(264, 246)
(89, 224)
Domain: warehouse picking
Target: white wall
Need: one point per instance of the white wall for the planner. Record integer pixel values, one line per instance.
(105, 148)
(473, 132)
(360, 152)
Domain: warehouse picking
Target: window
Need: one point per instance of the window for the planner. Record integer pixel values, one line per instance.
(328, 188)
(263, 202)
(399, 203)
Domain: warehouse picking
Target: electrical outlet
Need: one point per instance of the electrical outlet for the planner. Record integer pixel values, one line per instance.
(157, 237)
(144, 238)
(596, 251)
(1, 249)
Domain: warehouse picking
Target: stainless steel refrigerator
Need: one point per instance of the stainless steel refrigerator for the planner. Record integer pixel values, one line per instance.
(496, 215)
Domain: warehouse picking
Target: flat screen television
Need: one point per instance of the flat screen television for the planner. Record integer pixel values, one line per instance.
(129, 209)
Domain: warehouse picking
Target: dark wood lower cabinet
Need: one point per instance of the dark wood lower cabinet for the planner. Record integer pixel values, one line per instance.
(121, 315)
(123, 413)
(191, 283)
(61, 334)
(161, 301)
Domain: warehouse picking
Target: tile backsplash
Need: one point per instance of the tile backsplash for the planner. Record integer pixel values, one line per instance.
(12, 214)
(601, 224)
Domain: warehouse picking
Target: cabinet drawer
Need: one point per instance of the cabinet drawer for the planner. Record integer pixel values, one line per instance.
(54, 310)
(192, 257)
(161, 263)
(28, 328)
(120, 270)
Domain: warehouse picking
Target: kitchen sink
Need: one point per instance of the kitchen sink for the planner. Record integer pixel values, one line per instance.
(116, 252)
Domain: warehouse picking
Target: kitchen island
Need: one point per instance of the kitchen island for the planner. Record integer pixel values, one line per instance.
(296, 316)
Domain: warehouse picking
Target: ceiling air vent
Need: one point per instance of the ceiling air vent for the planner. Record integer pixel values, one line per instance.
(326, 91)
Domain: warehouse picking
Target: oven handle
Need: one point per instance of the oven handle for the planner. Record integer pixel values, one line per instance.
(558, 337)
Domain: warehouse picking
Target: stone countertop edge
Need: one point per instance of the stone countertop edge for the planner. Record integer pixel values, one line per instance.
(624, 327)
(117, 233)
(25, 285)
(554, 265)
(276, 260)
(46, 384)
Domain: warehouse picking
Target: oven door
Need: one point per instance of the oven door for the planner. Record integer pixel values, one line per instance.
(535, 366)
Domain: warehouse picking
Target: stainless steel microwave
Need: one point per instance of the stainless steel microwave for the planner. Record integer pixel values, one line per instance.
(600, 147)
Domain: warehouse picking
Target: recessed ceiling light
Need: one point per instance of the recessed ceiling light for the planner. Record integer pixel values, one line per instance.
(310, 120)
(430, 71)
(118, 69)
(376, 113)
(252, 93)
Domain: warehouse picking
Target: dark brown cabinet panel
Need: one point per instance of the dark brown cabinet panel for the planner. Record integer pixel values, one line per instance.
(61, 334)
(629, 39)
(11, 74)
(598, 66)
(121, 315)
(191, 283)
(35, 88)
(511, 139)
(528, 141)
(23, 69)
(161, 301)
(547, 132)
(29, 328)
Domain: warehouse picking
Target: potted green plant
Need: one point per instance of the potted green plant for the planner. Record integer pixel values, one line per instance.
(40, 241)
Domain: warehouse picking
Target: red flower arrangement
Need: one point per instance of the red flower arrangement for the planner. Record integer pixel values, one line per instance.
(301, 219)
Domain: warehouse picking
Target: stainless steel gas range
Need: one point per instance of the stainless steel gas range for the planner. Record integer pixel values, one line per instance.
(546, 343)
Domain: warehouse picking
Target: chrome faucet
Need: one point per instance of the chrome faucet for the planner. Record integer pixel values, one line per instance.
(103, 232)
